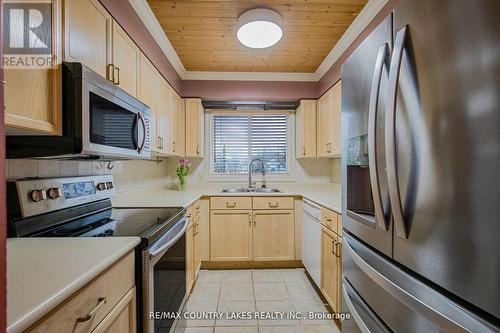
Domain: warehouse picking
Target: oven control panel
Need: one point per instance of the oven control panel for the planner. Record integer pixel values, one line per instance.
(38, 196)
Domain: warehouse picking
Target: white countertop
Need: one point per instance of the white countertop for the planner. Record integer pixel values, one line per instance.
(43, 272)
(326, 195)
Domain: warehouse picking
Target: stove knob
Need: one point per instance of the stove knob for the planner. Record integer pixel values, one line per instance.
(38, 195)
(54, 192)
(101, 186)
(109, 185)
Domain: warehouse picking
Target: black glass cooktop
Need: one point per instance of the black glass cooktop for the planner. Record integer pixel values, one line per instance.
(102, 221)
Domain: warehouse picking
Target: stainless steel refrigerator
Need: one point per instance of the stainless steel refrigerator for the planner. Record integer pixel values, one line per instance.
(421, 171)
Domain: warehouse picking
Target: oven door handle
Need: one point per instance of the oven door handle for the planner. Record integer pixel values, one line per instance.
(163, 247)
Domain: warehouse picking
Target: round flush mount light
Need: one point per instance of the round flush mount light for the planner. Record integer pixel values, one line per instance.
(259, 28)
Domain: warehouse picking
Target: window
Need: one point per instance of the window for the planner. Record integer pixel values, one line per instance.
(239, 138)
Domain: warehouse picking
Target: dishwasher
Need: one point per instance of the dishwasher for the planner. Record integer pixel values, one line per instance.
(311, 240)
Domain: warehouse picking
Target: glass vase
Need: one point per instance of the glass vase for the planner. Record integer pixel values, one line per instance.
(181, 186)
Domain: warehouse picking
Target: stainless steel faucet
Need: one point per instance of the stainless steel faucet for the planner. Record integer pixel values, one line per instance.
(250, 169)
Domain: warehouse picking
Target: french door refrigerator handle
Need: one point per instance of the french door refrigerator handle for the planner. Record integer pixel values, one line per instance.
(382, 220)
(417, 296)
(402, 228)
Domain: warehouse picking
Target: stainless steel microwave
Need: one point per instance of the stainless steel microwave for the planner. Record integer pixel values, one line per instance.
(100, 121)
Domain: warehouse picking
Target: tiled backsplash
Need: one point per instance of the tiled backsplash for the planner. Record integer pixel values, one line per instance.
(137, 174)
(129, 175)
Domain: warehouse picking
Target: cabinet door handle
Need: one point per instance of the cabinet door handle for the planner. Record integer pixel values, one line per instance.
(249, 218)
(110, 73)
(198, 150)
(173, 146)
(334, 243)
(329, 147)
(230, 204)
(338, 248)
(273, 204)
(303, 150)
(100, 302)
(117, 69)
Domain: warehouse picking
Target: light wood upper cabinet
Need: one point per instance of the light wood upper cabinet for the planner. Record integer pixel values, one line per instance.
(331, 268)
(33, 96)
(176, 125)
(329, 137)
(163, 117)
(194, 127)
(231, 235)
(305, 121)
(148, 89)
(87, 34)
(126, 61)
(274, 235)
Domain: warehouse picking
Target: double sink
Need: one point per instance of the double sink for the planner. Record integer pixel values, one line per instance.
(250, 190)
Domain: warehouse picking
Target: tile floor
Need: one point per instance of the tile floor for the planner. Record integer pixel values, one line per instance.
(266, 290)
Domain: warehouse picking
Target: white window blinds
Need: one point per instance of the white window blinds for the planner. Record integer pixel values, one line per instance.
(239, 138)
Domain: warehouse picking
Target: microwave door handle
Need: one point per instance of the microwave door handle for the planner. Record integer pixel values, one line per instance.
(402, 228)
(382, 54)
(141, 147)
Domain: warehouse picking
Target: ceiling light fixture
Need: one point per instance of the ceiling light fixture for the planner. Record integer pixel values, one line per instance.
(259, 28)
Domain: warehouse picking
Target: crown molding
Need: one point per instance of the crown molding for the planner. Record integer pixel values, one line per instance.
(249, 76)
(146, 15)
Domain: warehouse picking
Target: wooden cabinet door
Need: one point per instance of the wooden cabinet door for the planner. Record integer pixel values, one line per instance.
(175, 124)
(336, 120)
(189, 257)
(87, 34)
(330, 268)
(33, 96)
(148, 88)
(231, 235)
(197, 246)
(305, 120)
(126, 61)
(163, 116)
(122, 318)
(194, 127)
(274, 235)
(325, 123)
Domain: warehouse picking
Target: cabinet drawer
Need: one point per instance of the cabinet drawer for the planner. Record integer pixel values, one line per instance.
(193, 210)
(329, 219)
(93, 301)
(231, 203)
(273, 203)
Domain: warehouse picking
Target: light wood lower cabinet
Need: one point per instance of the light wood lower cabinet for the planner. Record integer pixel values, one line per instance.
(252, 229)
(122, 319)
(190, 277)
(231, 235)
(273, 235)
(331, 268)
(107, 304)
(197, 246)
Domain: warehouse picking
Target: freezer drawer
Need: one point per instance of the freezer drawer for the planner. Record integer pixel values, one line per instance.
(402, 302)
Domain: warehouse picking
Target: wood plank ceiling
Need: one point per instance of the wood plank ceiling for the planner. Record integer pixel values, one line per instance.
(203, 33)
